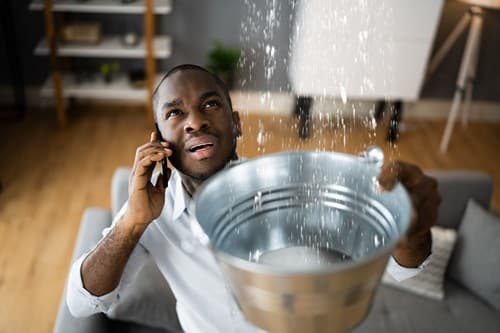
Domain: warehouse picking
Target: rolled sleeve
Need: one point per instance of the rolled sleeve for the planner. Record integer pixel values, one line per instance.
(400, 273)
(80, 302)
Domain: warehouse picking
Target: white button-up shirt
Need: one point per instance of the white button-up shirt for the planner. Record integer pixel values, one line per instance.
(204, 302)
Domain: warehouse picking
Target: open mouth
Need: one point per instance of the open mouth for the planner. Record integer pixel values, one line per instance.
(200, 147)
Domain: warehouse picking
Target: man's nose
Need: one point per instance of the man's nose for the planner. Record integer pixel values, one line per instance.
(196, 121)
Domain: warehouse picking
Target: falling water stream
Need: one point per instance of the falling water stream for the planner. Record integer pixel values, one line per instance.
(264, 55)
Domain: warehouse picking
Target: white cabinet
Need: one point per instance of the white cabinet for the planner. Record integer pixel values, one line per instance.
(369, 49)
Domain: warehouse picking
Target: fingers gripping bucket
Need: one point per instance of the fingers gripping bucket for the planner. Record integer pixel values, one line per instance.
(302, 237)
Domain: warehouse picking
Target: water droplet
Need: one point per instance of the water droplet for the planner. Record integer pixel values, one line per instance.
(254, 256)
(261, 138)
(376, 185)
(257, 201)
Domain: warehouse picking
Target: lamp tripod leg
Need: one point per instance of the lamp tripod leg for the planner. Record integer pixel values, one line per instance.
(470, 47)
(448, 43)
(470, 81)
(466, 106)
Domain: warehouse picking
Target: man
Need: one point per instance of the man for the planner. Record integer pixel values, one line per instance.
(197, 132)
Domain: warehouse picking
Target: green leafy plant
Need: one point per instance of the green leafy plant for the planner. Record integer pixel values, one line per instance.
(108, 70)
(223, 62)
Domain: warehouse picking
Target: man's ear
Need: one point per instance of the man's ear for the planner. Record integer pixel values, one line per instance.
(236, 124)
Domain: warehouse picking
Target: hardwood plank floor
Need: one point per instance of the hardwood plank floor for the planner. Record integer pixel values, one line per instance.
(50, 176)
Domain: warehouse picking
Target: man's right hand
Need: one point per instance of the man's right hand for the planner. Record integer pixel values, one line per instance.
(145, 199)
(102, 269)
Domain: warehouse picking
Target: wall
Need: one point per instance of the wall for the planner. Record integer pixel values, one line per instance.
(28, 28)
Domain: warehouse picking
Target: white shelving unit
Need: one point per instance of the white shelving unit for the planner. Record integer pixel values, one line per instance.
(150, 47)
(95, 88)
(109, 47)
(161, 7)
(119, 89)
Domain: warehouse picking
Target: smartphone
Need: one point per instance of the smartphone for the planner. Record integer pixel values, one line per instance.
(164, 166)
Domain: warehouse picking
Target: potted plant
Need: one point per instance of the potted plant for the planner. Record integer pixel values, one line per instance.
(223, 62)
(108, 70)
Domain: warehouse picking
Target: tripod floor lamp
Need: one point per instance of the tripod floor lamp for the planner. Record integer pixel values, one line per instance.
(467, 72)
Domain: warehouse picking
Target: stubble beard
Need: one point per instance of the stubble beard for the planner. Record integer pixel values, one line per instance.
(201, 176)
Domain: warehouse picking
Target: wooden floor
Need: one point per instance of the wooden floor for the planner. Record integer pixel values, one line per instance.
(50, 176)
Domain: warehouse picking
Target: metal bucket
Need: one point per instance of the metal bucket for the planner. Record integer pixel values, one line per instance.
(303, 238)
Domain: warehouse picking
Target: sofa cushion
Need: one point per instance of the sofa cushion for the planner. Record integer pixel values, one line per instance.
(476, 260)
(397, 311)
(429, 282)
(92, 223)
(456, 188)
(148, 300)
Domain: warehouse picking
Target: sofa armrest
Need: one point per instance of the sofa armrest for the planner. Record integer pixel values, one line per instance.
(456, 188)
(119, 189)
(94, 220)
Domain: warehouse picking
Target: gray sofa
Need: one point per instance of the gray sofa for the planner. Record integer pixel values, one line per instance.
(393, 310)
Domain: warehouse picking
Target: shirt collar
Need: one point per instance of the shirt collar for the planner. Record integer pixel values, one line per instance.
(181, 197)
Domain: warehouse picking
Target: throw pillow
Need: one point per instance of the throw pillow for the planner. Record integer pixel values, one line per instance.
(476, 260)
(148, 300)
(429, 282)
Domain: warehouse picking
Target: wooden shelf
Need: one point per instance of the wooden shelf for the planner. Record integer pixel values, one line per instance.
(103, 6)
(96, 88)
(120, 89)
(150, 47)
(110, 46)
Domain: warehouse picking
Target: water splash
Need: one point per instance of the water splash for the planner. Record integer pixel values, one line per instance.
(257, 201)
(343, 94)
(254, 256)
(261, 138)
(337, 113)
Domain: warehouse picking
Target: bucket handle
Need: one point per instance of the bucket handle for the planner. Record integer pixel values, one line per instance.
(373, 155)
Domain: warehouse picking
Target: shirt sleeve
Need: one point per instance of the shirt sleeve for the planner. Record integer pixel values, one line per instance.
(82, 303)
(400, 273)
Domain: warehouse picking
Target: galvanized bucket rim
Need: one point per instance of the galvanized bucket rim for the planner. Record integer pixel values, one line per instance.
(319, 270)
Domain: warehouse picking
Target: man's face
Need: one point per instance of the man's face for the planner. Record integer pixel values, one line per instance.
(195, 117)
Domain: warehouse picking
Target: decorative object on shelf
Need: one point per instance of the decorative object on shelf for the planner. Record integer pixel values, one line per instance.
(82, 76)
(81, 32)
(223, 62)
(137, 78)
(108, 70)
(130, 39)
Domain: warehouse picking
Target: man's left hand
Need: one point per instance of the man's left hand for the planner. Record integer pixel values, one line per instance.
(416, 245)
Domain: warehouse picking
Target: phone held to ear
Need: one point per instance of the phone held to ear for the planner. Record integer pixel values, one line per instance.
(164, 166)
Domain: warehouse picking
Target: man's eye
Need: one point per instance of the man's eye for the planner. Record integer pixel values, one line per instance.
(211, 104)
(173, 113)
